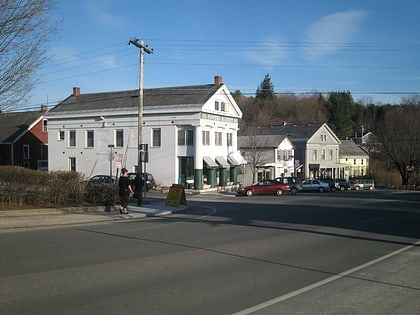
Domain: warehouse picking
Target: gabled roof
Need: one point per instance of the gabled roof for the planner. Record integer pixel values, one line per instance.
(262, 141)
(15, 125)
(295, 132)
(184, 95)
(349, 148)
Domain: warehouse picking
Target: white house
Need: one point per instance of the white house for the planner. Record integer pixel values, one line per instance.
(191, 133)
(316, 148)
(267, 156)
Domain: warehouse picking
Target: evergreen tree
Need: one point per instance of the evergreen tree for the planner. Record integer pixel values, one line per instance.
(266, 89)
(341, 112)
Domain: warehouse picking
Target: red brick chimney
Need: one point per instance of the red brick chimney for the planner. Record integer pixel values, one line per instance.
(218, 80)
(76, 91)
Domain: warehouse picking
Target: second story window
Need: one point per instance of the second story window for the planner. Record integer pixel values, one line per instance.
(331, 154)
(218, 138)
(44, 125)
(90, 143)
(229, 138)
(315, 155)
(119, 138)
(206, 137)
(322, 154)
(26, 151)
(61, 134)
(156, 137)
(185, 137)
(72, 138)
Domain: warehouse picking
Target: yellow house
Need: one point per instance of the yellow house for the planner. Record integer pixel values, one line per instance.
(355, 158)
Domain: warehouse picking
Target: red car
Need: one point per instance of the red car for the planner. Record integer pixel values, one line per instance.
(265, 187)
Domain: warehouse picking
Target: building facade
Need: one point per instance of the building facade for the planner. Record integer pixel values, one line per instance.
(24, 139)
(316, 148)
(190, 133)
(267, 156)
(355, 158)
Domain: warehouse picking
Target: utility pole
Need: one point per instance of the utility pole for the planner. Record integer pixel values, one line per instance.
(143, 48)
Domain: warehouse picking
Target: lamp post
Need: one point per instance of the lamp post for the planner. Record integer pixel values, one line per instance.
(143, 48)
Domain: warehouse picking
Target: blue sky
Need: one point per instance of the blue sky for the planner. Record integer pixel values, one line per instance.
(370, 48)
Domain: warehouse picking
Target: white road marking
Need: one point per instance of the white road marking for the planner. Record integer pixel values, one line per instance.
(315, 285)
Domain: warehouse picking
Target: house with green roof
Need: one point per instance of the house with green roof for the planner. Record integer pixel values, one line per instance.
(190, 132)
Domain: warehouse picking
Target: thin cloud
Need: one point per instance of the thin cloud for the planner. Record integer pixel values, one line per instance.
(102, 13)
(108, 61)
(332, 32)
(268, 53)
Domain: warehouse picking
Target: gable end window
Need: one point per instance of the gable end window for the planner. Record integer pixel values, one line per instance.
(216, 105)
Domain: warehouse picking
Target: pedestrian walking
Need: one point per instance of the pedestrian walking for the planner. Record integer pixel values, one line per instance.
(125, 191)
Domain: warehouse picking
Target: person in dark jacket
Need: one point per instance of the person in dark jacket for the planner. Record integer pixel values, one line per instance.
(125, 191)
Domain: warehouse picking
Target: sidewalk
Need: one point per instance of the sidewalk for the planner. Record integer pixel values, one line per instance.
(16, 219)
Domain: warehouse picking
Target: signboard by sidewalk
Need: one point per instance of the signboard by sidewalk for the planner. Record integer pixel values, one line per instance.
(176, 196)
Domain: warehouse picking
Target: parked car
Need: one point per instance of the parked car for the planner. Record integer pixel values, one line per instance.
(331, 183)
(293, 182)
(342, 184)
(265, 187)
(150, 181)
(315, 185)
(358, 184)
(102, 179)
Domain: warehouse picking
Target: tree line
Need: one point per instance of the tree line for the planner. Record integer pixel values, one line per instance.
(397, 126)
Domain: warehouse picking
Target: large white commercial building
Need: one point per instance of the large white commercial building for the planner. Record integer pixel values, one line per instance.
(191, 133)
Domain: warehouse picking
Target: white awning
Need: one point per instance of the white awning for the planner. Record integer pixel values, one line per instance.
(238, 158)
(210, 163)
(222, 162)
(233, 161)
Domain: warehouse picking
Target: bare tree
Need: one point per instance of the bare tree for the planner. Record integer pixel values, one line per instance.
(400, 138)
(25, 28)
(255, 148)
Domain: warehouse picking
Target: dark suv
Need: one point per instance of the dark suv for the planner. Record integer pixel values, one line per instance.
(150, 181)
(342, 184)
(331, 182)
(293, 182)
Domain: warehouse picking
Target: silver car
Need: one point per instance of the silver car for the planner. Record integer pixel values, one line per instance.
(315, 185)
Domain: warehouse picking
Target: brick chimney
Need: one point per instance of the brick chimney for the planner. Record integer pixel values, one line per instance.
(44, 108)
(76, 91)
(218, 80)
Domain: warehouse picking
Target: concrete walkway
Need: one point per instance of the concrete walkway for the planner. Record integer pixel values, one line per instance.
(28, 218)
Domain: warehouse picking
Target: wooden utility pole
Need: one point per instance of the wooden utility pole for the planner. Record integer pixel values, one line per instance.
(143, 48)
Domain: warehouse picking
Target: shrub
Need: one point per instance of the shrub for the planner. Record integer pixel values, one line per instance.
(22, 187)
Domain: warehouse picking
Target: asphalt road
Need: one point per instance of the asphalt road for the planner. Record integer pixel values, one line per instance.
(331, 253)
